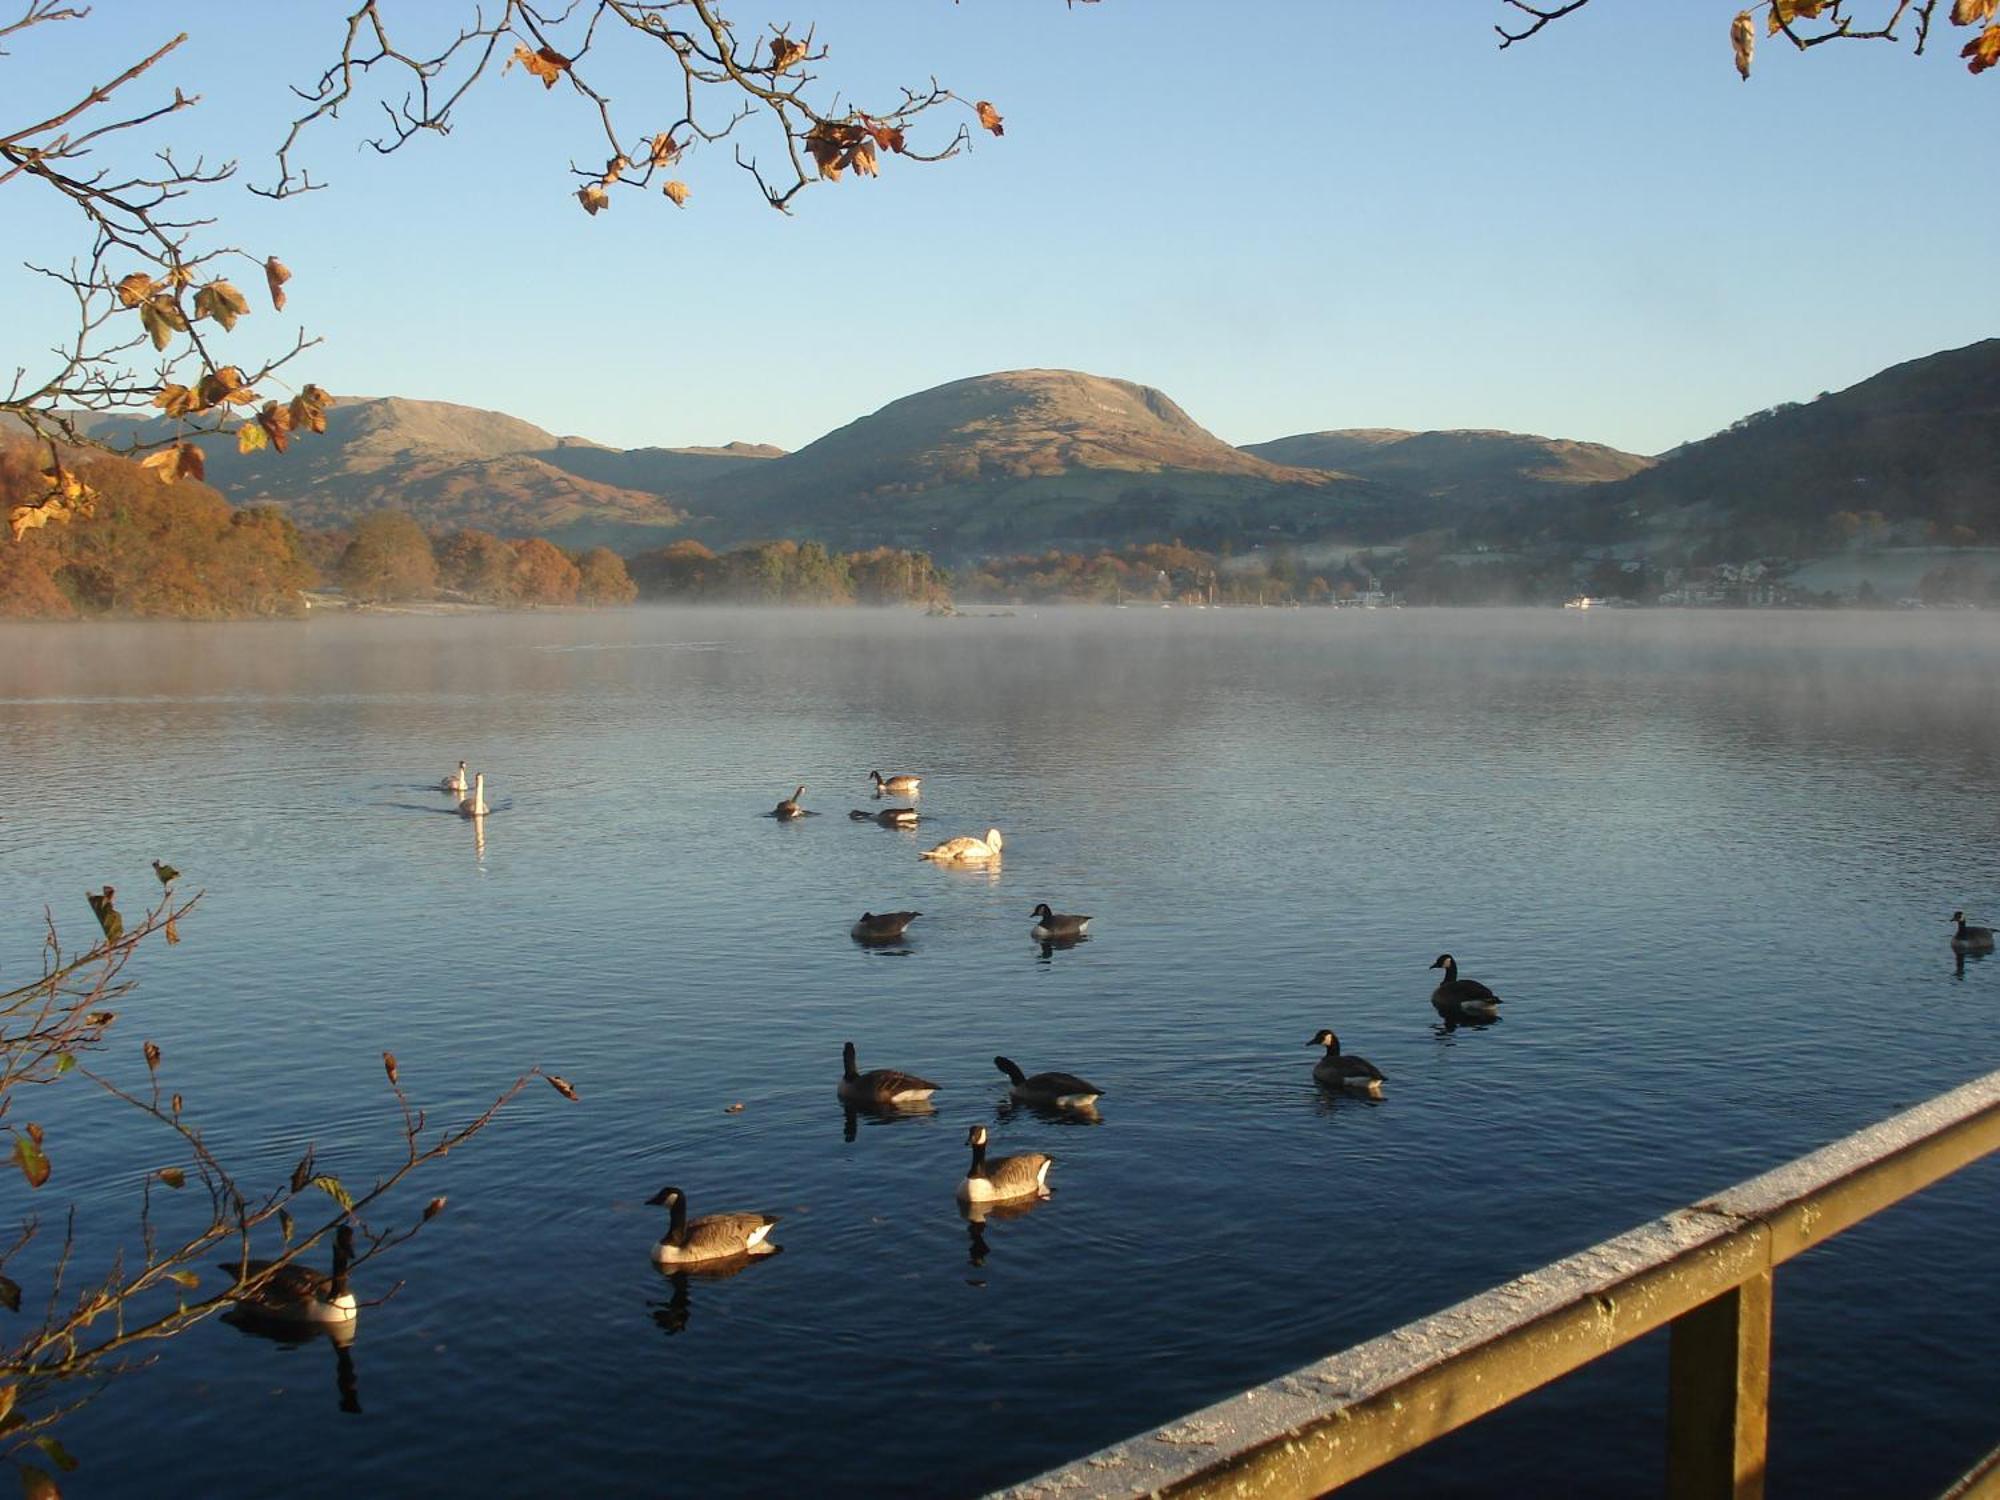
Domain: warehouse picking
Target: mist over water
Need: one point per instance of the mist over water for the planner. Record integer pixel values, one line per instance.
(1707, 859)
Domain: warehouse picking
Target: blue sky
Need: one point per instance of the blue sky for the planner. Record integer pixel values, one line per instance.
(1287, 216)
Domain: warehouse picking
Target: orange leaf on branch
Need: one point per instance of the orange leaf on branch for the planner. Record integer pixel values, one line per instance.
(275, 422)
(784, 52)
(1743, 41)
(678, 191)
(593, 198)
(1972, 12)
(276, 274)
(1983, 50)
(989, 117)
(545, 63)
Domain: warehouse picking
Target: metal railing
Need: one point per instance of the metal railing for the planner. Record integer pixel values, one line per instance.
(1706, 1270)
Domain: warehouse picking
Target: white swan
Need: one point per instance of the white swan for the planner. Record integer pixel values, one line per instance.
(966, 851)
(475, 805)
(455, 782)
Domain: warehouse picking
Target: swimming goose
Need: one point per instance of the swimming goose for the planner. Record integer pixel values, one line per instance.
(1340, 1070)
(1462, 999)
(966, 851)
(1052, 925)
(1970, 939)
(455, 782)
(785, 811)
(895, 786)
(711, 1237)
(295, 1293)
(475, 805)
(1051, 1090)
(880, 1085)
(888, 817)
(882, 926)
(1023, 1176)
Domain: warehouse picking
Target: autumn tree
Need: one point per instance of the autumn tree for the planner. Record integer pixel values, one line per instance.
(389, 559)
(543, 575)
(603, 580)
(477, 564)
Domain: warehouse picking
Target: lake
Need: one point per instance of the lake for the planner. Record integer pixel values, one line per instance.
(1706, 858)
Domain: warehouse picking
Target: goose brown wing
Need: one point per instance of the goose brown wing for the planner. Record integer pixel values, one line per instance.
(719, 1233)
(1061, 1083)
(288, 1283)
(1466, 989)
(887, 1083)
(1016, 1174)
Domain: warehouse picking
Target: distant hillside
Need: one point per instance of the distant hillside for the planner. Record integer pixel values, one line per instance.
(1918, 444)
(1473, 470)
(1026, 459)
(457, 466)
(656, 471)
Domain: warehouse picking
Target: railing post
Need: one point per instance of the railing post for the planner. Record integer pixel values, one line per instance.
(1719, 1395)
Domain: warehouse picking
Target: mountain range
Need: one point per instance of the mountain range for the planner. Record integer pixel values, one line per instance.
(1026, 460)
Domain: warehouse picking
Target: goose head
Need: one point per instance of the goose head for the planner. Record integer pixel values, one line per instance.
(976, 1137)
(1324, 1038)
(666, 1197)
(1443, 961)
(1042, 911)
(1958, 916)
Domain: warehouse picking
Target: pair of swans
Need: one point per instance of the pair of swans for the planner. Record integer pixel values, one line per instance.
(471, 802)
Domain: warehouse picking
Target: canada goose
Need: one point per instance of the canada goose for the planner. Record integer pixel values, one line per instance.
(711, 1237)
(1023, 1176)
(455, 782)
(1344, 1070)
(167, 873)
(966, 851)
(475, 805)
(895, 786)
(1052, 925)
(1970, 939)
(880, 1085)
(294, 1293)
(882, 926)
(1462, 999)
(1053, 1090)
(888, 817)
(785, 811)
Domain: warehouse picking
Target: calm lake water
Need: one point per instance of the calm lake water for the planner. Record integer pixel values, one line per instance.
(1707, 859)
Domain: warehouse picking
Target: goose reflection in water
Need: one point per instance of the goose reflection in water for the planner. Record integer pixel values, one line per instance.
(293, 1335)
(1958, 961)
(882, 1114)
(978, 1215)
(672, 1314)
(1049, 947)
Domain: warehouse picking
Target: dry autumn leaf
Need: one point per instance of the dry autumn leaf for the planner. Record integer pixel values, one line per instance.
(222, 303)
(990, 117)
(276, 423)
(251, 438)
(593, 198)
(276, 274)
(389, 1067)
(1983, 50)
(177, 401)
(1972, 12)
(545, 63)
(135, 289)
(161, 320)
(785, 52)
(888, 137)
(152, 1056)
(173, 1177)
(224, 383)
(663, 150)
(562, 1086)
(1743, 41)
(1784, 12)
(678, 191)
(166, 464)
(433, 1208)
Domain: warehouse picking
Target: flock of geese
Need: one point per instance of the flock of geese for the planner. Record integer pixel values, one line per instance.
(295, 1294)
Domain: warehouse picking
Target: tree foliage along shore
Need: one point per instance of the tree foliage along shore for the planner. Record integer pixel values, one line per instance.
(180, 551)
